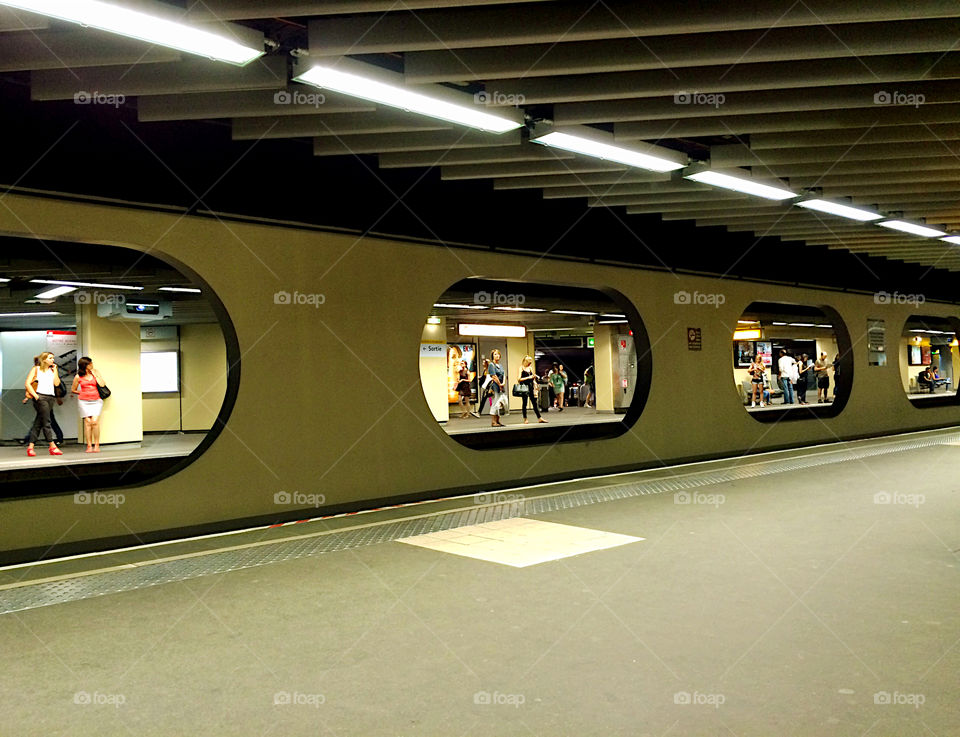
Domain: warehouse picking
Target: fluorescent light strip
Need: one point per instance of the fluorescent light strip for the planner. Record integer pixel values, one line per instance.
(904, 227)
(357, 84)
(571, 312)
(778, 323)
(617, 316)
(143, 26)
(55, 292)
(189, 290)
(520, 309)
(3, 279)
(844, 211)
(955, 239)
(801, 324)
(550, 330)
(612, 322)
(28, 314)
(737, 184)
(82, 284)
(461, 307)
(606, 151)
(492, 331)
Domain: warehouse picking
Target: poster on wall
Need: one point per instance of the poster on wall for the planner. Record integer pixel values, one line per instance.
(765, 350)
(456, 354)
(63, 345)
(743, 353)
(913, 358)
(925, 358)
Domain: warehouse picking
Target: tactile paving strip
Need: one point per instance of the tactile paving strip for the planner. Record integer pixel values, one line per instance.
(32, 596)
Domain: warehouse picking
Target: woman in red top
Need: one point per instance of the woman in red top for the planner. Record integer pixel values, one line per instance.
(85, 385)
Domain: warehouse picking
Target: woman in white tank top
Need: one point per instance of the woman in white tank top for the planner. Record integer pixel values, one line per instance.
(46, 377)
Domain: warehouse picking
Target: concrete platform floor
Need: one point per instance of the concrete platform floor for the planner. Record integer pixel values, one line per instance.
(814, 602)
(152, 446)
(570, 416)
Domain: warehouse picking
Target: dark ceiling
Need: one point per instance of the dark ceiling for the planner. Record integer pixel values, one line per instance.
(106, 151)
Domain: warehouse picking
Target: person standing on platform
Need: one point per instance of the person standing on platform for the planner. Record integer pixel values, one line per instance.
(756, 371)
(41, 385)
(85, 385)
(528, 378)
(496, 374)
(558, 380)
(787, 365)
(805, 375)
(836, 373)
(822, 370)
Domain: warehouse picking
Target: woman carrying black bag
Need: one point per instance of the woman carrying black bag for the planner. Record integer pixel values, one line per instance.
(88, 384)
(528, 381)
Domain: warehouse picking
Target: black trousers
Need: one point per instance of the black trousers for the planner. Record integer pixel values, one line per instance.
(533, 403)
(801, 389)
(44, 407)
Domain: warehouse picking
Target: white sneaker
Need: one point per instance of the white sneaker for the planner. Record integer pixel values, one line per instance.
(762, 404)
(753, 404)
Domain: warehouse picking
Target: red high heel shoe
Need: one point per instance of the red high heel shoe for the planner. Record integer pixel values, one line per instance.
(56, 452)
(31, 452)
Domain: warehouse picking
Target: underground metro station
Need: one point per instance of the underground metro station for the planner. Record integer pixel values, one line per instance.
(503, 367)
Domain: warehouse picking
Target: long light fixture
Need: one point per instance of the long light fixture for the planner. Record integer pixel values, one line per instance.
(746, 334)
(29, 314)
(571, 312)
(612, 322)
(55, 292)
(743, 184)
(904, 227)
(368, 82)
(954, 239)
(82, 284)
(835, 208)
(520, 309)
(149, 27)
(189, 290)
(600, 145)
(491, 331)
(460, 307)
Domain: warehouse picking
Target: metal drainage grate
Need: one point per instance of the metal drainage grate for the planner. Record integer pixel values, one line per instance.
(33, 596)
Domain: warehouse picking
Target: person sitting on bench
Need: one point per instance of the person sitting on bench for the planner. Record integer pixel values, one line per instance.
(925, 379)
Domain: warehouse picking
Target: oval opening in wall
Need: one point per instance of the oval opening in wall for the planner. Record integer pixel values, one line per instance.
(791, 361)
(156, 337)
(512, 363)
(929, 360)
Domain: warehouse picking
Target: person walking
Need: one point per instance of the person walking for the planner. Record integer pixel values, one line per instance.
(786, 363)
(589, 381)
(528, 378)
(496, 374)
(85, 385)
(822, 370)
(41, 385)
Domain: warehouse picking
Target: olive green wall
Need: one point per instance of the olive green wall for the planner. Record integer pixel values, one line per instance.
(330, 399)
